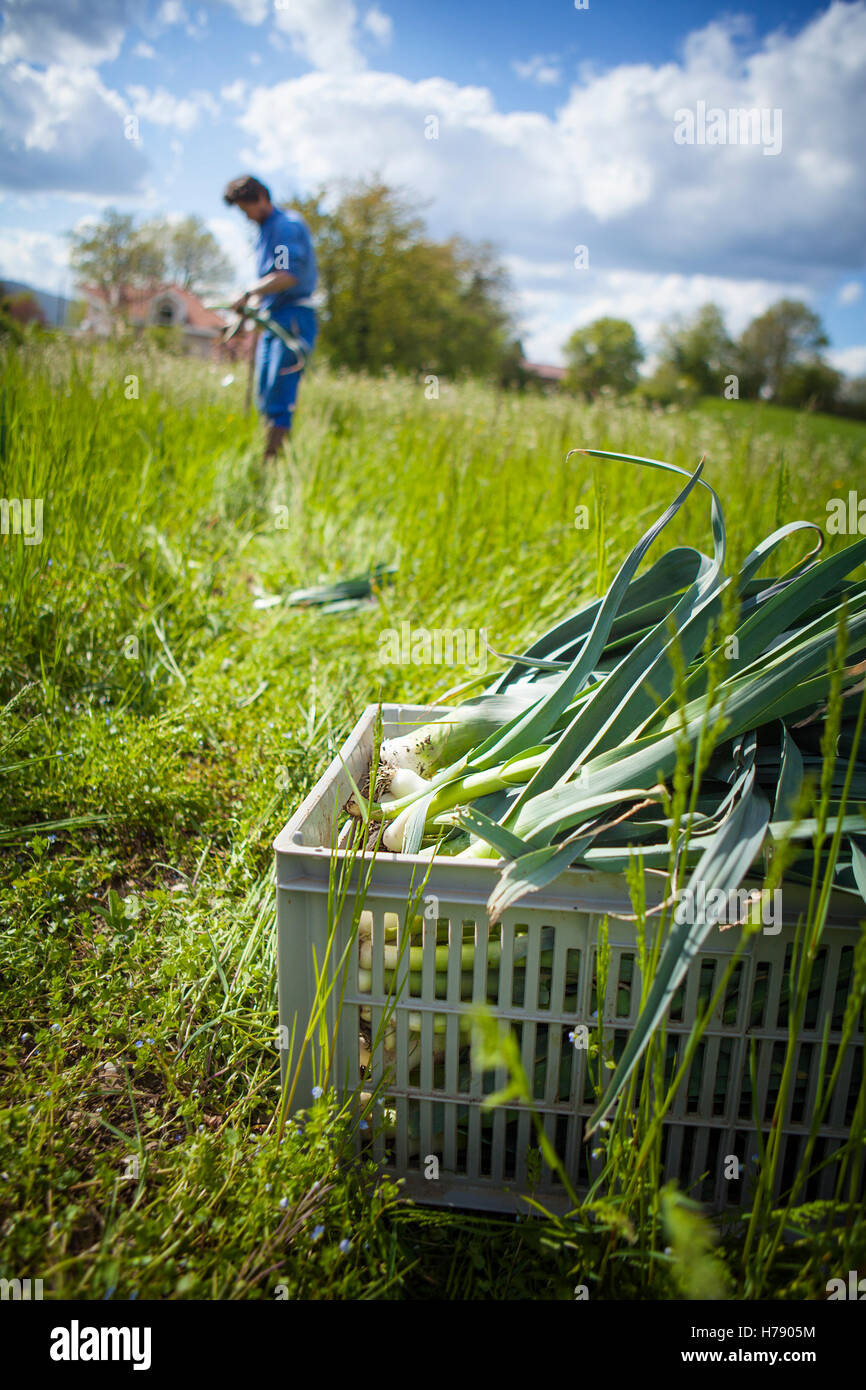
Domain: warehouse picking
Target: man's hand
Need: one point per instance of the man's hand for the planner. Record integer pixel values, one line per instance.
(273, 283)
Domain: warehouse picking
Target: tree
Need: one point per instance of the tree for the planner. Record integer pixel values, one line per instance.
(472, 308)
(117, 257)
(813, 384)
(394, 298)
(697, 352)
(605, 353)
(22, 306)
(512, 373)
(668, 386)
(193, 257)
(851, 398)
(789, 333)
(10, 327)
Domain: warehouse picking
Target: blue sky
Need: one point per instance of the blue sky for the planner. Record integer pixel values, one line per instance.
(556, 129)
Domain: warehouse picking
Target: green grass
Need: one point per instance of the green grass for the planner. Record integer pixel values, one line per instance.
(763, 418)
(162, 728)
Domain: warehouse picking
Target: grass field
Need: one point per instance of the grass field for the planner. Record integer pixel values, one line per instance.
(157, 729)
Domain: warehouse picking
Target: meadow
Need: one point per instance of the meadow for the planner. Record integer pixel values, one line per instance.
(157, 728)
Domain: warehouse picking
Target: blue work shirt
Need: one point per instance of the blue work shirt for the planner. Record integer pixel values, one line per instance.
(284, 244)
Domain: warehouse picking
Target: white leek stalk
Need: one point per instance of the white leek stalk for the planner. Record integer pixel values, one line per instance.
(437, 745)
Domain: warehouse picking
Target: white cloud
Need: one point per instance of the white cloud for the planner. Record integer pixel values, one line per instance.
(556, 299)
(379, 24)
(85, 33)
(326, 126)
(234, 92)
(668, 226)
(62, 130)
(40, 259)
(723, 222)
(196, 27)
(163, 108)
(606, 167)
(171, 12)
(323, 32)
(64, 31)
(850, 360)
(542, 69)
(252, 11)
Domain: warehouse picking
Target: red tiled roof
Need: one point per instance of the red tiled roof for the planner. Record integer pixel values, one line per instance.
(546, 373)
(197, 315)
(138, 301)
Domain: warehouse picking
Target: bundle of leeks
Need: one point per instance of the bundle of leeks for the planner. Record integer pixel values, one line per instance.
(753, 687)
(567, 766)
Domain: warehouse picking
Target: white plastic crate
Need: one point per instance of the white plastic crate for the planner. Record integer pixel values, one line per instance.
(482, 1156)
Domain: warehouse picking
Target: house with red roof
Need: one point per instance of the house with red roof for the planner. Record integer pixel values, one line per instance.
(165, 306)
(549, 376)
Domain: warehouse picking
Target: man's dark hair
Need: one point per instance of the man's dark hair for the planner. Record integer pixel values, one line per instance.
(245, 189)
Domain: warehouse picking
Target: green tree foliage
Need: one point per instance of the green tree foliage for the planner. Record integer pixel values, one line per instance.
(851, 399)
(787, 336)
(17, 312)
(814, 384)
(119, 256)
(22, 306)
(76, 313)
(667, 386)
(10, 329)
(605, 353)
(394, 298)
(778, 356)
(193, 257)
(697, 351)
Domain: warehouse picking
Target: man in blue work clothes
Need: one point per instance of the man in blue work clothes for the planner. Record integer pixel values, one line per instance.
(286, 266)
